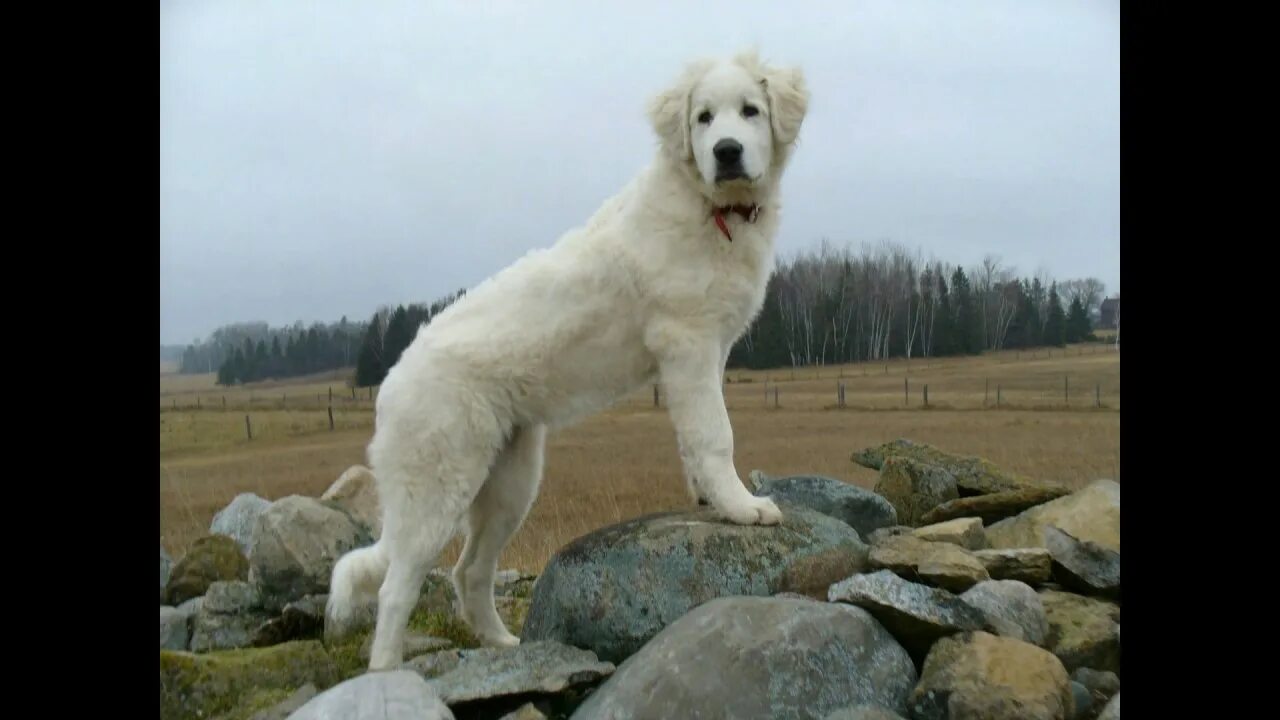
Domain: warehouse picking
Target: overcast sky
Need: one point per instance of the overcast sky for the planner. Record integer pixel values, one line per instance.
(318, 159)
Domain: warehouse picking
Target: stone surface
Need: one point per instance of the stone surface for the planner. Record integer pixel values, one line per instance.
(238, 519)
(356, 491)
(528, 711)
(391, 695)
(415, 644)
(1083, 701)
(935, 563)
(1083, 632)
(1032, 566)
(296, 543)
(613, 590)
(210, 559)
(755, 657)
(914, 488)
(1101, 684)
(232, 596)
(487, 674)
(916, 615)
(175, 629)
(299, 620)
(994, 507)
(1011, 608)
(965, 532)
(980, 675)
(1111, 711)
(864, 712)
(1083, 566)
(973, 475)
(861, 509)
(1091, 513)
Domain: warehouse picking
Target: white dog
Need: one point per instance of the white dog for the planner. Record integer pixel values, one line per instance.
(657, 286)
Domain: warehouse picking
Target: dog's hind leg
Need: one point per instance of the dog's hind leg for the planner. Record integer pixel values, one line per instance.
(496, 514)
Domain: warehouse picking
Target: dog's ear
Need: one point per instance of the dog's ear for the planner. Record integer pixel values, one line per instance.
(669, 114)
(788, 101)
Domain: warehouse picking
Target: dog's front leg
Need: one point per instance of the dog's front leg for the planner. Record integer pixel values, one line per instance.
(692, 373)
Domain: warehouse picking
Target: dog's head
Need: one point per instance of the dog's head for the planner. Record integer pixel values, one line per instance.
(731, 123)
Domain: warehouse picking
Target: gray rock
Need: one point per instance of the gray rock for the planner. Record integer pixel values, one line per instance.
(917, 615)
(238, 519)
(878, 537)
(1083, 632)
(979, 675)
(390, 695)
(914, 488)
(1083, 566)
(864, 712)
(1112, 709)
(286, 707)
(994, 507)
(300, 620)
(433, 664)
(175, 630)
(1101, 684)
(965, 532)
(1032, 566)
(613, 590)
(1012, 609)
(487, 674)
(1083, 701)
(861, 509)
(296, 543)
(230, 597)
(936, 563)
(755, 657)
(973, 475)
(166, 568)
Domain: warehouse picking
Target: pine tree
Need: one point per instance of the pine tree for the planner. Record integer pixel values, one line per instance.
(369, 367)
(1055, 329)
(1077, 322)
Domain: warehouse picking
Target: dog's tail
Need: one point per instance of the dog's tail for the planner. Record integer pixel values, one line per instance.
(353, 589)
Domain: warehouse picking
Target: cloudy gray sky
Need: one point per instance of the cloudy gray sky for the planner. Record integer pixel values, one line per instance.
(318, 159)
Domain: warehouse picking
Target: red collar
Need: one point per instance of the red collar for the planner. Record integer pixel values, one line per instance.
(748, 213)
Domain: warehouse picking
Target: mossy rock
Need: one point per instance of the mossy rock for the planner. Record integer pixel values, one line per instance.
(211, 559)
(226, 682)
(974, 475)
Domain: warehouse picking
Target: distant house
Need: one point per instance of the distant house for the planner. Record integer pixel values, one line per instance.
(1109, 313)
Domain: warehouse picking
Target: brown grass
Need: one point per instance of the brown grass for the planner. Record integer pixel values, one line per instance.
(623, 463)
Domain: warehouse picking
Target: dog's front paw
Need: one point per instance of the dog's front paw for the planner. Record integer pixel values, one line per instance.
(499, 640)
(756, 511)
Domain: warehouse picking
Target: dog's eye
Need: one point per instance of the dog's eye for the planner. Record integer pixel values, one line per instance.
(750, 111)
(705, 117)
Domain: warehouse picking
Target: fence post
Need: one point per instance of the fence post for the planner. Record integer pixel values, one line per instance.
(906, 391)
(224, 402)
(248, 429)
(1097, 395)
(330, 418)
(926, 394)
(997, 396)
(330, 394)
(175, 403)
(775, 396)
(198, 402)
(655, 395)
(1066, 397)
(353, 392)
(986, 389)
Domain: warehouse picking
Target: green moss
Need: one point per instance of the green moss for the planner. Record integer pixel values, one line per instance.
(210, 684)
(445, 625)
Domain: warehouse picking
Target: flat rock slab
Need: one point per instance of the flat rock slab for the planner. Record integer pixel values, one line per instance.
(916, 615)
(1033, 566)
(534, 667)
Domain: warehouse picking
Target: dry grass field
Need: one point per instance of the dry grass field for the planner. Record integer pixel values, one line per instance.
(623, 462)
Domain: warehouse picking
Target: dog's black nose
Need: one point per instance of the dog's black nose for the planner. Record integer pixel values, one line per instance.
(728, 152)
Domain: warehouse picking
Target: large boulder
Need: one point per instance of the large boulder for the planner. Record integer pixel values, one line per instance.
(211, 559)
(994, 507)
(1091, 513)
(753, 657)
(973, 475)
(296, 543)
(936, 563)
(1012, 609)
(239, 518)
(861, 509)
(175, 629)
(1083, 566)
(1083, 632)
(914, 488)
(392, 695)
(228, 617)
(356, 491)
(613, 590)
(979, 675)
(917, 615)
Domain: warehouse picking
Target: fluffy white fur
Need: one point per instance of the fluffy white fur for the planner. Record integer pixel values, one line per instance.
(647, 290)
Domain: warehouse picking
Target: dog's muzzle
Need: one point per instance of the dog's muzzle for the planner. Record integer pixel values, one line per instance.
(728, 160)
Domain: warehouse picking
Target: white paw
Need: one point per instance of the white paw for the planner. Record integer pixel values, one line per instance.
(503, 640)
(755, 511)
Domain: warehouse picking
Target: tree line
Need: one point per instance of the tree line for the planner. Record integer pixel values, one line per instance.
(822, 306)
